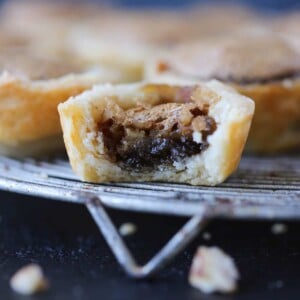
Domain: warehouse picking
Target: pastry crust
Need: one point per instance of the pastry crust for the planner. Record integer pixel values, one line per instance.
(24, 17)
(89, 154)
(29, 95)
(46, 25)
(289, 26)
(132, 37)
(265, 68)
(276, 123)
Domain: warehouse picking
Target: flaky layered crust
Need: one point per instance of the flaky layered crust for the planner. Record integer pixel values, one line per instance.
(80, 118)
(29, 122)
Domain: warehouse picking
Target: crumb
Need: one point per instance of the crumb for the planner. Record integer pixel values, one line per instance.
(279, 228)
(127, 229)
(213, 270)
(278, 284)
(29, 280)
(206, 236)
(162, 67)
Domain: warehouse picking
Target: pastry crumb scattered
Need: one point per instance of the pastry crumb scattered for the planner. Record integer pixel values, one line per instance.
(206, 236)
(29, 280)
(279, 228)
(127, 229)
(278, 284)
(213, 270)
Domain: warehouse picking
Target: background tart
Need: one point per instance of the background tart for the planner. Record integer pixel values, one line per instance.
(99, 34)
(31, 87)
(264, 67)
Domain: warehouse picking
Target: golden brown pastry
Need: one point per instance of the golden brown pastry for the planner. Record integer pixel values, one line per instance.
(31, 87)
(46, 24)
(263, 67)
(114, 37)
(125, 39)
(95, 34)
(177, 131)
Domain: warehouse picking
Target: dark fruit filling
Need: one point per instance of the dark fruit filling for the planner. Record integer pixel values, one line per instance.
(147, 138)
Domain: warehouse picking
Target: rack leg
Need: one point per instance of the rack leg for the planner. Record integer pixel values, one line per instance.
(117, 245)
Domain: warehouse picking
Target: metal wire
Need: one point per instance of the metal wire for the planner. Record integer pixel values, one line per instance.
(262, 188)
(259, 182)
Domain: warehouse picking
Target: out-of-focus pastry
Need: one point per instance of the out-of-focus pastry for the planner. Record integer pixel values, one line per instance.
(119, 38)
(125, 39)
(31, 87)
(174, 131)
(36, 17)
(212, 20)
(289, 26)
(46, 24)
(264, 67)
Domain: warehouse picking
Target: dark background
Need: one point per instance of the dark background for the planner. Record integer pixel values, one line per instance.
(64, 240)
(266, 5)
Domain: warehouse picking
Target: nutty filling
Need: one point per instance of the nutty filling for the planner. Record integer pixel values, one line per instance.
(148, 137)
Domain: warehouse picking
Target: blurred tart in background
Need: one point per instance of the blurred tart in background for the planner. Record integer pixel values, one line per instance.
(264, 67)
(31, 87)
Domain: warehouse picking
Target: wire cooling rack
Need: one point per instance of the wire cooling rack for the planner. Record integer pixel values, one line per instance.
(262, 188)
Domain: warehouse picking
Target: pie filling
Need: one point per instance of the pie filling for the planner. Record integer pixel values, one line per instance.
(145, 138)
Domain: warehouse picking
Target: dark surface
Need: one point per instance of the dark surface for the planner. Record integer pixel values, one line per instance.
(276, 6)
(64, 240)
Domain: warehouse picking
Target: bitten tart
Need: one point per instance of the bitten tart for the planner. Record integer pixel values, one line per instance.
(173, 131)
(31, 87)
(264, 67)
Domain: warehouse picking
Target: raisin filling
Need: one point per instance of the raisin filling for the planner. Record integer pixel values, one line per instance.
(146, 138)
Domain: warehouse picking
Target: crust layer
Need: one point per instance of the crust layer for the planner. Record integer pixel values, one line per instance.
(276, 123)
(80, 115)
(28, 108)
